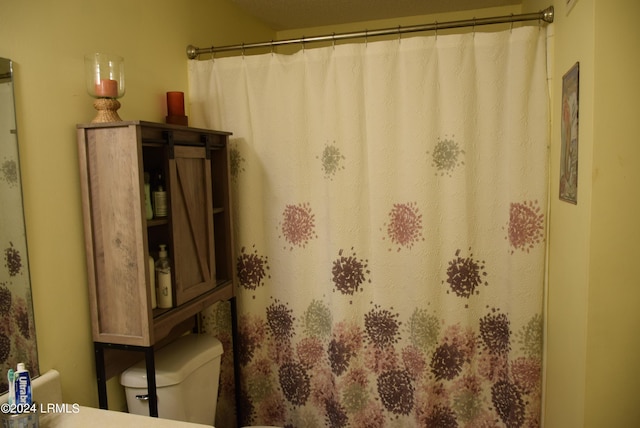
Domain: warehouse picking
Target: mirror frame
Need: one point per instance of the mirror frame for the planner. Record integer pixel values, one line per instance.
(17, 325)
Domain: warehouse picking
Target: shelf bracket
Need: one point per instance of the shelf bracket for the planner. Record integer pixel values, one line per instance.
(206, 139)
(168, 136)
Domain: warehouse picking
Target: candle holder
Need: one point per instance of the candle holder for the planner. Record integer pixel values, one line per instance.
(104, 75)
(175, 109)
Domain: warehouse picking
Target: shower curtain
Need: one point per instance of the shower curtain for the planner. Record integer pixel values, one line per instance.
(390, 215)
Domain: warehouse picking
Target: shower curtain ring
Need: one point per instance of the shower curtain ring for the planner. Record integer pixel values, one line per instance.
(243, 50)
(474, 27)
(366, 37)
(399, 34)
(333, 41)
(436, 30)
(511, 30)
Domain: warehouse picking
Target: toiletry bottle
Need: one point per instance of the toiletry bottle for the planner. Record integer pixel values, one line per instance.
(147, 196)
(163, 279)
(22, 386)
(159, 198)
(152, 282)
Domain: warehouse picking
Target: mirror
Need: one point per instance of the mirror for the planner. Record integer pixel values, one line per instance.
(17, 328)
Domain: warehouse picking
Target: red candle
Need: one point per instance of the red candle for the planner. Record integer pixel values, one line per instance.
(175, 103)
(107, 88)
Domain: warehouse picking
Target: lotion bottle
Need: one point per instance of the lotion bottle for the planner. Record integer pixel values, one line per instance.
(163, 279)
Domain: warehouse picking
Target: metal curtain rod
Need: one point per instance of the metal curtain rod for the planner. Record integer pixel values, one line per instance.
(545, 15)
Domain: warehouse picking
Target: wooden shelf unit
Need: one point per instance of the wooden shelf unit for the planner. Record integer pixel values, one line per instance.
(197, 233)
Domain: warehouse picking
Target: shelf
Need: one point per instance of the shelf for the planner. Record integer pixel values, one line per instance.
(194, 166)
(165, 322)
(157, 221)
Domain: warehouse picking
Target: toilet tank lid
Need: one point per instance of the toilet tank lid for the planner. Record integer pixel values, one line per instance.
(175, 361)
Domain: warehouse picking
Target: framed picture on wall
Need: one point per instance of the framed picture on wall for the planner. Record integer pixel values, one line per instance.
(569, 137)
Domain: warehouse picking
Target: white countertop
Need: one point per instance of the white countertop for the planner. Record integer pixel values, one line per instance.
(47, 393)
(82, 417)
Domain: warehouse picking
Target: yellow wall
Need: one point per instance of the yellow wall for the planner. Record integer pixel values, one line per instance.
(613, 340)
(47, 41)
(404, 22)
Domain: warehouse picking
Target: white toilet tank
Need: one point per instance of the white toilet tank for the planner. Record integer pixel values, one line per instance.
(187, 376)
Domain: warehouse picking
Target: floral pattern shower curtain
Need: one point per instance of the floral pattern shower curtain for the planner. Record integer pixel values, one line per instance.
(390, 213)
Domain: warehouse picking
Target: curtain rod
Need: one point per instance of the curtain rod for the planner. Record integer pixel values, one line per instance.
(545, 15)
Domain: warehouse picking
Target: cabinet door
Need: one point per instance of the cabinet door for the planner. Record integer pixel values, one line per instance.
(192, 222)
(115, 243)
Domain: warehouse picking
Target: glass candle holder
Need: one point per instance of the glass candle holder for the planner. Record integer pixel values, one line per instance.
(104, 76)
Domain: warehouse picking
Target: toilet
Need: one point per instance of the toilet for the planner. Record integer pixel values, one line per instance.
(187, 376)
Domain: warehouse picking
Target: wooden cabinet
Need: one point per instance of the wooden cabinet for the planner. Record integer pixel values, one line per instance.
(119, 239)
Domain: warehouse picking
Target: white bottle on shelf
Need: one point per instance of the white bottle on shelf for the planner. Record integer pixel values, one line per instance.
(159, 197)
(160, 202)
(147, 196)
(163, 280)
(152, 282)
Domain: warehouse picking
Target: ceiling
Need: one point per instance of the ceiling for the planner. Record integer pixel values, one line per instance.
(292, 14)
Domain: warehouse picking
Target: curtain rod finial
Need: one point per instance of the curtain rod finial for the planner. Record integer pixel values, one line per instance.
(192, 52)
(547, 14)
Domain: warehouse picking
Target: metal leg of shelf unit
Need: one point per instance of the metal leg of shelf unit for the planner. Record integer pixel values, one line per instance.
(151, 381)
(236, 353)
(101, 375)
